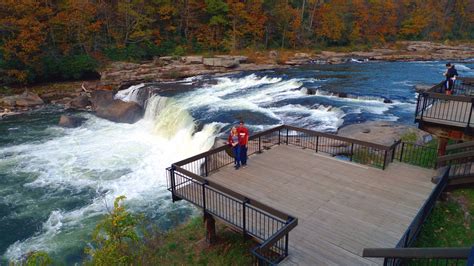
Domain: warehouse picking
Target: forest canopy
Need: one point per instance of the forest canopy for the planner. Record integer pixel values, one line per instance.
(44, 40)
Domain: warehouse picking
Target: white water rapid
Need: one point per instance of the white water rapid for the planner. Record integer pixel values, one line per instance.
(111, 159)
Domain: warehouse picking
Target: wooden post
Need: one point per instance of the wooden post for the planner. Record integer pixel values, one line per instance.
(210, 224)
(442, 143)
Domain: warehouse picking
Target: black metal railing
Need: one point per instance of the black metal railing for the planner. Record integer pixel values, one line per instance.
(362, 152)
(410, 235)
(266, 224)
(454, 110)
(416, 154)
(421, 256)
(461, 161)
(351, 149)
(464, 86)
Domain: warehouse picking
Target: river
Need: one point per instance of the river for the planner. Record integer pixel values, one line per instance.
(56, 183)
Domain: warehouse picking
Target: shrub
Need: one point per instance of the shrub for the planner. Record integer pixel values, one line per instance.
(115, 238)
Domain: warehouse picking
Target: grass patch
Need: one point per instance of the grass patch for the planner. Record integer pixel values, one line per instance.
(366, 156)
(185, 246)
(451, 222)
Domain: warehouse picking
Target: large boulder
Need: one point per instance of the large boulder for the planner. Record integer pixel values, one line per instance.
(26, 99)
(120, 111)
(101, 98)
(29, 99)
(423, 87)
(227, 62)
(70, 121)
(80, 102)
(382, 132)
(192, 59)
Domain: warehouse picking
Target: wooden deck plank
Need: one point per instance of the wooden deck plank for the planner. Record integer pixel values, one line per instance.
(342, 207)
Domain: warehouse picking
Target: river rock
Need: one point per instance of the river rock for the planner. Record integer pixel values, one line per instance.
(227, 62)
(192, 59)
(80, 102)
(70, 121)
(120, 111)
(26, 99)
(423, 87)
(385, 100)
(101, 98)
(381, 132)
(309, 91)
(342, 95)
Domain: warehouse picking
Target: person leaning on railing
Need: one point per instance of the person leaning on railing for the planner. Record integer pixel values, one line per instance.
(233, 141)
(451, 75)
(243, 141)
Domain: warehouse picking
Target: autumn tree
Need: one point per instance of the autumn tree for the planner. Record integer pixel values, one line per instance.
(24, 27)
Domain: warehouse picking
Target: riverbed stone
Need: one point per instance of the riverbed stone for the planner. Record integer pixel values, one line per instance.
(381, 132)
(80, 102)
(193, 59)
(120, 111)
(70, 121)
(25, 100)
(101, 98)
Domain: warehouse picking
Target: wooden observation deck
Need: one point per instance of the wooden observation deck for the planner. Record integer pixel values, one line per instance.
(448, 116)
(332, 208)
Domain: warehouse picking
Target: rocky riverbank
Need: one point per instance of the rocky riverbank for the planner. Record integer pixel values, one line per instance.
(383, 133)
(119, 75)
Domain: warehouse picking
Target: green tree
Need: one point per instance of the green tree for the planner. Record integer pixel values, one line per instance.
(115, 238)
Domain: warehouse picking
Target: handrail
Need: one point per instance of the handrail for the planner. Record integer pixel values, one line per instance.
(469, 144)
(277, 236)
(417, 253)
(457, 98)
(456, 156)
(234, 194)
(221, 148)
(336, 137)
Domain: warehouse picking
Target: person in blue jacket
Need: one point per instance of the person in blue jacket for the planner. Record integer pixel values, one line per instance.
(451, 75)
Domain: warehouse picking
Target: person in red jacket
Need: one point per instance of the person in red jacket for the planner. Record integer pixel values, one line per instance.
(243, 141)
(233, 141)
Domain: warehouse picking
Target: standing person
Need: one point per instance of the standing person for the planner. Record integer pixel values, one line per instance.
(243, 141)
(450, 74)
(234, 143)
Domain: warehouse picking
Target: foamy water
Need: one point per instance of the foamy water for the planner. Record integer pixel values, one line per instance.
(112, 160)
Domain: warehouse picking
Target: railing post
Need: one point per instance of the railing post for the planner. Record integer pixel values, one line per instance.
(259, 144)
(244, 216)
(287, 136)
(173, 184)
(204, 195)
(286, 244)
(384, 160)
(407, 240)
(470, 114)
(417, 105)
(279, 136)
(206, 168)
(393, 152)
(352, 150)
(424, 106)
(317, 143)
(401, 152)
